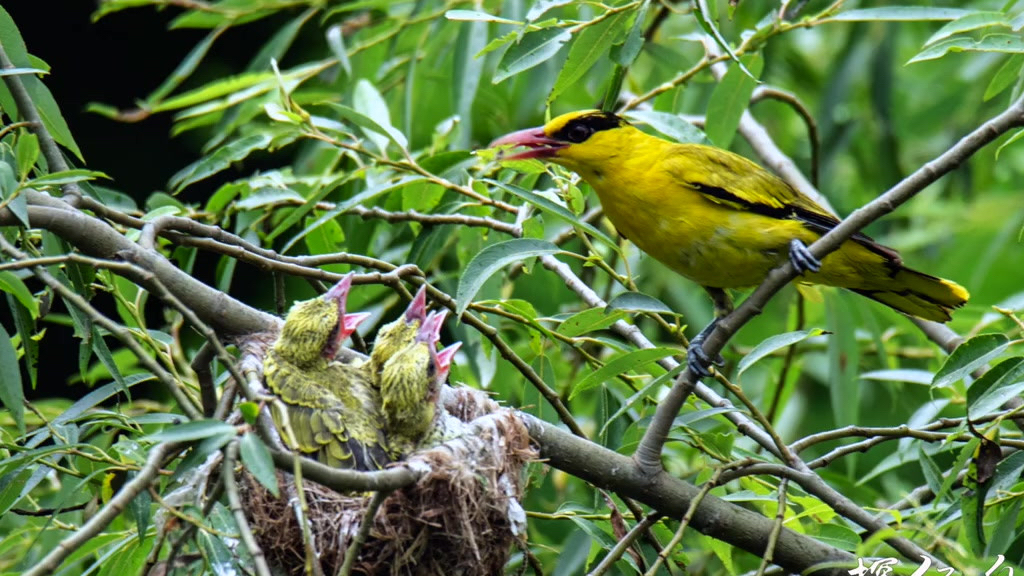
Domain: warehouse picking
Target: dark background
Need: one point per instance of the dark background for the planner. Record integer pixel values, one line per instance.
(116, 61)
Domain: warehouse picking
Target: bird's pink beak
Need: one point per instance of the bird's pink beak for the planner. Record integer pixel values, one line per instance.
(347, 322)
(538, 144)
(417, 310)
(430, 330)
(340, 290)
(444, 357)
(350, 322)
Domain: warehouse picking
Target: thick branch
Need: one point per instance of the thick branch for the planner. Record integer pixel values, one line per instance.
(672, 497)
(93, 236)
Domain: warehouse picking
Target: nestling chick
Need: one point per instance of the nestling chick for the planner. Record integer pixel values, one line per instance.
(410, 384)
(332, 408)
(395, 336)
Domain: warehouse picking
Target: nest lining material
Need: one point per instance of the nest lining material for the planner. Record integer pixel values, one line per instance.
(461, 518)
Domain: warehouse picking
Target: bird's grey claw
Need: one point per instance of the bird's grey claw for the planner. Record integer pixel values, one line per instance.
(801, 257)
(697, 359)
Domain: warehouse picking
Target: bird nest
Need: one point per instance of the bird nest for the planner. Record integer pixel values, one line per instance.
(461, 517)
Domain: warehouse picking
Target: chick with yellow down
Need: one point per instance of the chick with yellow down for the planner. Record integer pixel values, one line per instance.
(410, 387)
(395, 336)
(332, 408)
(720, 219)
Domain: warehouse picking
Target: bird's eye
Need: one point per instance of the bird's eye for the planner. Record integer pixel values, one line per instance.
(431, 370)
(578, 133)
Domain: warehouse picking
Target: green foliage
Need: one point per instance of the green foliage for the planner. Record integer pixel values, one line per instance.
(366, 119)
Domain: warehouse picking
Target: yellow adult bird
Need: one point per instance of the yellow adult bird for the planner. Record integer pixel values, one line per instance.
(410, 387)
(332, 408)
(720, 219)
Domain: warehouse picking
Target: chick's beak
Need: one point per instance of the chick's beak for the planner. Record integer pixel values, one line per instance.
(417, 310)
(349, 323)
(339, 291)
(444, 357)
(538, 143)
(430, 330)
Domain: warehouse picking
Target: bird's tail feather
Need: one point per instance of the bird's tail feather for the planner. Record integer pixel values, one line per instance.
(921, 295)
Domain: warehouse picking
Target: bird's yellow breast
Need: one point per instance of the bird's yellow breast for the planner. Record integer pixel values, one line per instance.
(637, 180)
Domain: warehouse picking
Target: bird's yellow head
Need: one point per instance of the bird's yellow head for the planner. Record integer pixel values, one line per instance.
(315, 329)
(396, 335)
(581, 141)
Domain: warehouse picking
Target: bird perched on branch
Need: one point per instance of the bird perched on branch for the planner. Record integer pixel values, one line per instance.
(720, 219)
(410, 386)
(396, 335)
(332, 408)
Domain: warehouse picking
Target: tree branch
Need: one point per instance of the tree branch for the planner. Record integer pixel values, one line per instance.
(714, 517)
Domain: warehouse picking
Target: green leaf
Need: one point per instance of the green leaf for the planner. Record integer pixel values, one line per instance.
(140, 506)
(627, 53)
(588, 45)
(898, 14)
(185, 69)
(195, 430)
(730, 99)
(220, 159)
(589, 320)
(207, 92)
(642, 393)
(1005, 76)
(540, 7)
(468, 68)
(993, 43)
(774, 343)
(257, 460)
(931, 471)
(369, 103)
(371, 125)
(629, 361)
(250, 412)
(688, 418)
(99, 346)
(838, 536)
(556, 210)
(1004, 381)
(968, 357)
(24, 323)
(638, 302)
(1005, 531)
(972, 21)
(12, 395)
(13, 285)
(46, 106)
(26, 153)
(65, 177)
(908, 375)
(534, 49)
(1016, 136)
(972, 508)
(494, 258)
(477, 16)
(670, 125)
(336, 41)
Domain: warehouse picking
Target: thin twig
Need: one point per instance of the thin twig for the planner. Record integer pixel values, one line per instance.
(352, 553)
(105, 515)
(622, 545)
(773, 537)
(235, 502)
